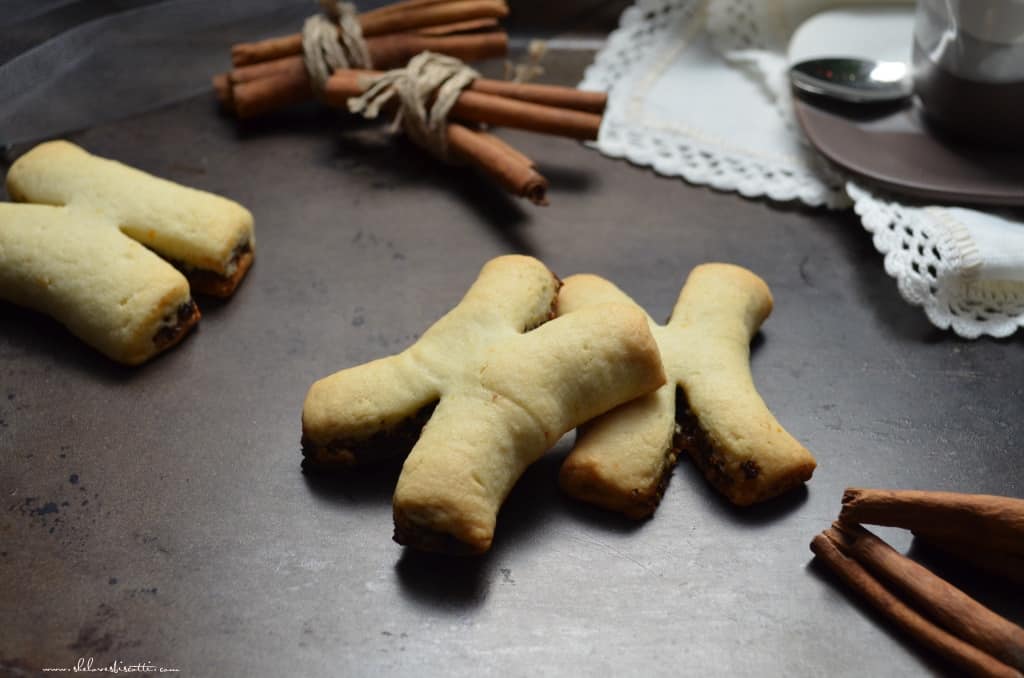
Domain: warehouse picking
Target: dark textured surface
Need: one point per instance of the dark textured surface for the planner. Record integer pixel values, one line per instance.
(159, 514)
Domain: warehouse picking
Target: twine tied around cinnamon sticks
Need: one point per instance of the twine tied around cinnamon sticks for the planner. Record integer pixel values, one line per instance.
(426, 90)
(449, 118)
(333, 40)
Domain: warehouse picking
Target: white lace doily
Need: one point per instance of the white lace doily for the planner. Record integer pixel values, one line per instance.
(698, 89)
(672, 107)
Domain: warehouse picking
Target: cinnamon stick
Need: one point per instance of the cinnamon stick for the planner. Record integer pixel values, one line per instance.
(394, 51)
(289, 66)
(246, 53)
(401, 7)
(468, 26)
(433, 14)
(497, 110)
(958, 653)
(222, 87)
(291, 83)
(512, 170)
(473, 106)
(386, 51)
(953, 609)
(264, 95)
(549, 95)
(999, 563)
(389, 52)
(464, 47)
(374, 25)
(995, 523)
(508, 149)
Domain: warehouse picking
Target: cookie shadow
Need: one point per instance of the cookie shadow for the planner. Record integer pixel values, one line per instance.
(38, 338)
(386, 162)
(872, 287)
(1002, 596)
(309, 118)
(502, 212)
(460, 583)
(759, 514)
(601, 518)
(595, 516)
(373, 484)
(443, 583)
(567, 179)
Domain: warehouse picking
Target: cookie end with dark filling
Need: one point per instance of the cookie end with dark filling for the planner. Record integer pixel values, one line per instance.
(422, 538)
(384, 445)
(176, 326)
(216, 285)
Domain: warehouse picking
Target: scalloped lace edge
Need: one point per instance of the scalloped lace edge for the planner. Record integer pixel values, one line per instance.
(685, 155)
(935, 263)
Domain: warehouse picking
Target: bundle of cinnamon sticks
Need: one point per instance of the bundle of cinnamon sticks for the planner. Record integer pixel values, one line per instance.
(270, 75)
(965, 633)
(407, 28)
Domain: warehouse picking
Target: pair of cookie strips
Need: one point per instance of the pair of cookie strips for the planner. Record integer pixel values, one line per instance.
(79, 253)
(492, 395)
(86, 249)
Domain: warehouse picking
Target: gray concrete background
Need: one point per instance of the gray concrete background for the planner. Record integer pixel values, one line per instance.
(159, 514)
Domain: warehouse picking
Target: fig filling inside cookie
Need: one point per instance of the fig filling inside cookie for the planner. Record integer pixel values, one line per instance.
(393, 443)
(693, 439)
(176, 324)
(427, 539)
(217, 284)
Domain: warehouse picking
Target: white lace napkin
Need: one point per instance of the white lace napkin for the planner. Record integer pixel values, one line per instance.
(698, 90)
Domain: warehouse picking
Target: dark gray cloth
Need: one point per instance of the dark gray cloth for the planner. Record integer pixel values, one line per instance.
(69, 65)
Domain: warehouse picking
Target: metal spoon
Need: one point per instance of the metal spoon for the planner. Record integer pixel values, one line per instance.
(859, 81)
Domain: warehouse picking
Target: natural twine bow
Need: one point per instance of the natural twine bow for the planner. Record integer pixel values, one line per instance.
(428, 77)
(333, 40)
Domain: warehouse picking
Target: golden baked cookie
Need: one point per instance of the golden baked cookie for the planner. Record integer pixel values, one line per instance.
(709, 407)
(84, 251)
(494, 393)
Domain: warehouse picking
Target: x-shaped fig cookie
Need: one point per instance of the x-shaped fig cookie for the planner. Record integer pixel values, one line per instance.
(709, 406)
(84, 252)
(504, 394)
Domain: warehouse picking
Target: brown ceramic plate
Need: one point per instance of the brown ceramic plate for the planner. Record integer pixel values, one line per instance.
(899, 150)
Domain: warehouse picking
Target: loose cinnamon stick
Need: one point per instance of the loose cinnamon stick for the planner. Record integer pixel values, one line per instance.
(953, 609)
(489, 109)
(374, 25)
(999, 563)
(995, 522)
(958, 653)
(512, 170)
